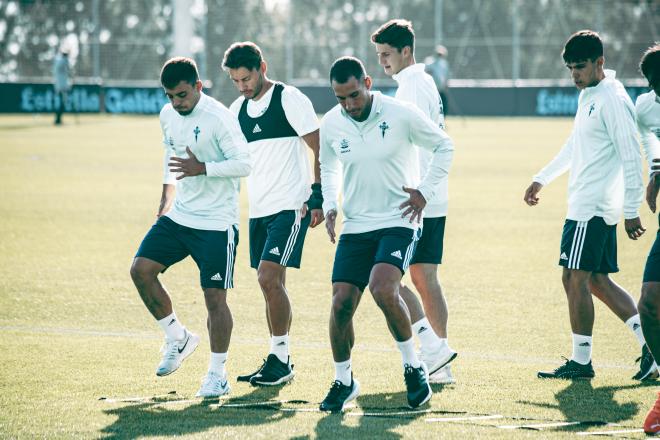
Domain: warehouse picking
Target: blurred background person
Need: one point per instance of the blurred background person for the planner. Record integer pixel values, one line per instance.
(61, 82)
(438, 67)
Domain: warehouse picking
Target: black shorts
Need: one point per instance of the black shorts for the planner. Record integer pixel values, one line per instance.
(429, 246)
(589, 246)
(168, 242)
(278, 238)
(357, 254)
(652, 268)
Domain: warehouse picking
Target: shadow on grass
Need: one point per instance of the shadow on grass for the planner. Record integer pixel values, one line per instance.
(344, 426)
(581, 402)
(155, 419)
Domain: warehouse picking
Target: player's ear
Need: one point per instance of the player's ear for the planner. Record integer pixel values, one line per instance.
(367, 82)
(263, 68)
(600, 61)
(198, 85)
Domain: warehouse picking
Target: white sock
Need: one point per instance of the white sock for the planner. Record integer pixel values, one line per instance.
(581, 349)
(408, 355)
(217, 363)
(635, 325)
(429, 341)
(343, 372)
(279, 346)
(172, 327)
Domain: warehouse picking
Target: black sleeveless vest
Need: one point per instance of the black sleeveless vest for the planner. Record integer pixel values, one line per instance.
(270, 125)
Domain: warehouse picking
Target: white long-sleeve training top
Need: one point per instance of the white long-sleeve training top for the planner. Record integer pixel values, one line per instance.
(417, 87)
(208, 202)
(647, 107)
(602, 154)
(377, 157)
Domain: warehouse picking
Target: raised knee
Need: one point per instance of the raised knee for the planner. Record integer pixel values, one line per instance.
(140, 273)
(384, 295)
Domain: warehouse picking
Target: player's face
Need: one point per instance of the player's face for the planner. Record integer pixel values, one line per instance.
(390, 58)
(184, 96)
(249, 82)
(354, 97)
(584, 73)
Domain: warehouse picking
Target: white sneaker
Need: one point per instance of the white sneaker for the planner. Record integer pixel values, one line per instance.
(174, 352)
(438, 359)
(214, 385)
(442, 376)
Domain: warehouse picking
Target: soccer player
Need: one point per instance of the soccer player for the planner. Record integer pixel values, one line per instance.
(648, 123)
(605, 178)
(278, 122)
(372, 138)
(205, 154)
(395, 46)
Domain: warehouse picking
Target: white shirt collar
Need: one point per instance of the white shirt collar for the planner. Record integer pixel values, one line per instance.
(407, 72)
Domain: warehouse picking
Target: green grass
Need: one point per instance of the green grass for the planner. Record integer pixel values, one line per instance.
(76, 200)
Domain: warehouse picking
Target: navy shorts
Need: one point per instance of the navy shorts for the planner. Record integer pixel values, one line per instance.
(357, 254)
(429, 246)
(278, 238)
(589, 246)
(168, 242)
(652, 269)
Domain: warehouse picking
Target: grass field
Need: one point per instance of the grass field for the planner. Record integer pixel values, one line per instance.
(79, 350)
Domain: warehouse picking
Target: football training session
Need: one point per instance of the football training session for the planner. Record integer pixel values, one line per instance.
(345, 219)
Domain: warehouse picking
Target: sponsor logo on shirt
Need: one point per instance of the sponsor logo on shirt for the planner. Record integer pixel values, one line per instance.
(383, 128)
(343, 146)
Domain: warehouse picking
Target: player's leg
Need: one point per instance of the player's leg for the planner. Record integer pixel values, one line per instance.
(285, 237)
(350, 274)
(160, 249)
(395, 250)
(215, 254)
(580, 255)
(649, 304)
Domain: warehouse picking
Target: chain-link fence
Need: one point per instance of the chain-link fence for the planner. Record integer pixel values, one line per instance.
(122, 41)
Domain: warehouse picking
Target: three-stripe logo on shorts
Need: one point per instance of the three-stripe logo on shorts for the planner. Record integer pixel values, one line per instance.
(229, 277)
(291, 241)
(410, 250)
(577, 245)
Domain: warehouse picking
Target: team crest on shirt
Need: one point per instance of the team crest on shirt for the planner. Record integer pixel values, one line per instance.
(383, 128)
(196, 132)
(170, 140)
(344, 146)
(592, 107)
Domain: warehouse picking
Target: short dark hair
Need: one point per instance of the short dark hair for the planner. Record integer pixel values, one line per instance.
(178, 69)
(582, 46)
(650, 63)
(397, 33)
(243, 54)
(346, 67)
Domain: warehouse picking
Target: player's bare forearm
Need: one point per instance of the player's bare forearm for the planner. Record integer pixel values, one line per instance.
(166, 199)
(312, 141)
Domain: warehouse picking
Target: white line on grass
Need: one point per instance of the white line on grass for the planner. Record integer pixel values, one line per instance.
(539, 426)
(623, 431)
(463, 419)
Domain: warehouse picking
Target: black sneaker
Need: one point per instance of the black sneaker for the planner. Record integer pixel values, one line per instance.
(248, 377)
(273, 372)
(570, 370)
(417, 385)
(647, 367)
(339, 395)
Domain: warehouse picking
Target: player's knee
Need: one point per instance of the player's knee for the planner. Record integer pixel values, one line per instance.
(574, 281)
(385, 295)
(343, 307)
(141, 273)
(269, 280)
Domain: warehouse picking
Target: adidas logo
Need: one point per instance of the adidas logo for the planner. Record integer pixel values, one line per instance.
(422, 329)
(171, 322)
(635, 326)
(281, 344)
(216, 277)
(275, 251)
(563, 256)
(397, 254)
(585, 344)
(257, 129)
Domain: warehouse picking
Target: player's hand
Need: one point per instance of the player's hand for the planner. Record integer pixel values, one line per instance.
(531, 193)
(317, 218)
(330, 224)
(652, 191)
(187, 167)
(163, 208)
(414, 205)
(634, 228)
